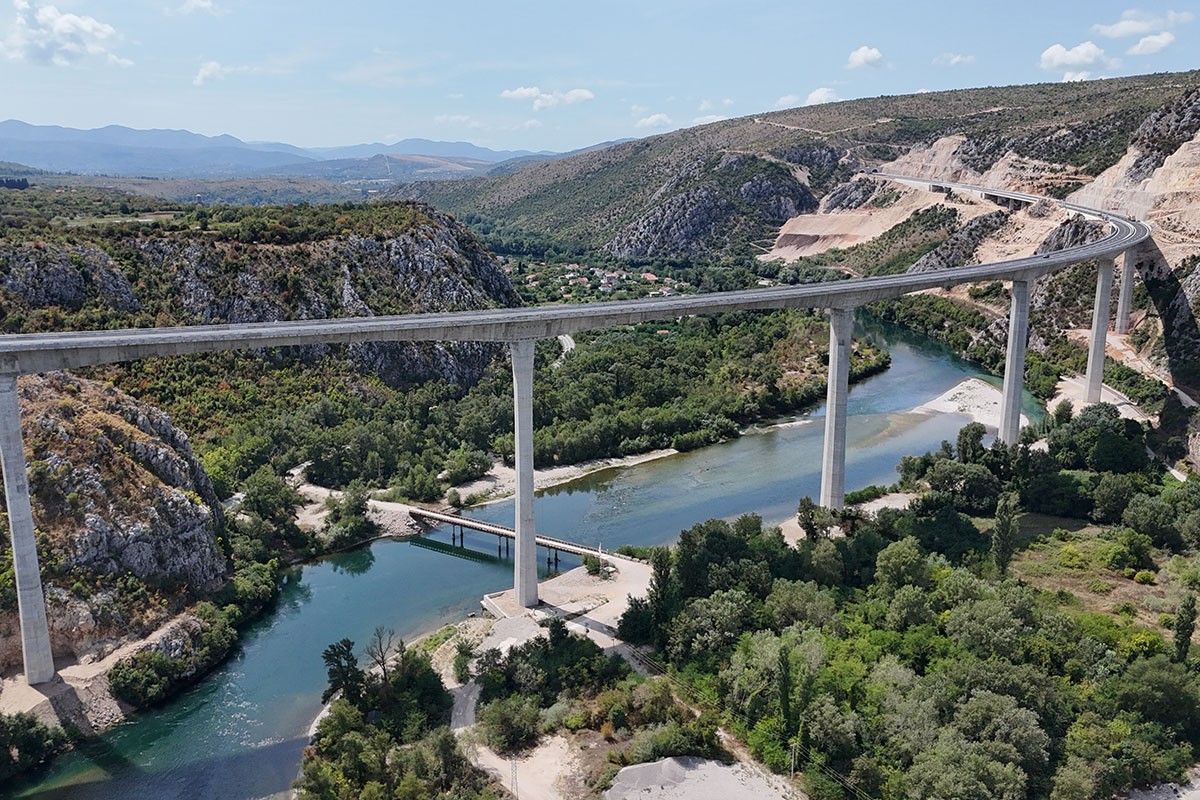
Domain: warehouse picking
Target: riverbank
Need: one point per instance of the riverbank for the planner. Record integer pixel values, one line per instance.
(974, 398)
(500, 481)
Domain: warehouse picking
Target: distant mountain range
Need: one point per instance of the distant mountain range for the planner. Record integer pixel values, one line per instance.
(122, 151)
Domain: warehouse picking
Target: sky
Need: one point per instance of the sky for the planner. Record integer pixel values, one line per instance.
(535, 74)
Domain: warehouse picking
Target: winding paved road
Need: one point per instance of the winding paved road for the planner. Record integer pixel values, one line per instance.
(32, 353)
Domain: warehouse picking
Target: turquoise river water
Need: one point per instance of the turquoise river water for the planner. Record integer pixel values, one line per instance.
(239, 734)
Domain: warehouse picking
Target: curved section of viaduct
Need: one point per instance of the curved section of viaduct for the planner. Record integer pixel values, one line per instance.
(520, 328)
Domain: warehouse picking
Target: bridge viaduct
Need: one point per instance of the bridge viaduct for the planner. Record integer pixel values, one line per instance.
(520, 328)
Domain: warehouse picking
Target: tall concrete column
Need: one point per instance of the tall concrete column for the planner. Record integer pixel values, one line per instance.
(525, 552)
(1100, 314)
(31, 603)
(1125, 292)
(833, 462)
(1014, 363)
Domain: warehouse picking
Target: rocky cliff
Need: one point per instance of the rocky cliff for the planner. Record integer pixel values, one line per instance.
(127, 519)
(136, 277)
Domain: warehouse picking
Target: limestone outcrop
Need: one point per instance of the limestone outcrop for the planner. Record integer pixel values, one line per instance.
(125, 515)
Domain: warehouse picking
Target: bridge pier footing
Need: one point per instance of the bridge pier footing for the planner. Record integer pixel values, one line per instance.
(525, 586)
(833, 460)
(31, 602)
(1125, 292)
(1014, 363)
(1100, 316)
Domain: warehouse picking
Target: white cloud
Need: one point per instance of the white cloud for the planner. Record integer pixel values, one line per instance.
(1149, 45)
(707, 118)
(822, 95)
(1075, 60)
(458, 119)
(41, 34)
(543, 100)
(728, 101)
(953, 60)
(192, 6)
(864, 57)
(705, 105)
(1139, 23)
(788, 101)
(530, 123)
(521, 93)
(1072, 77)
(653, 121)
(214, 70)
(456, 95)
(277, 65)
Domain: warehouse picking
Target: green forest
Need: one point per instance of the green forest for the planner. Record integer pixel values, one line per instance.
(960, 648)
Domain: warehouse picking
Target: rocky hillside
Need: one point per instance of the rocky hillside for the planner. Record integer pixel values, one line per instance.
(679, 194)
(264, 265)
(127, 519)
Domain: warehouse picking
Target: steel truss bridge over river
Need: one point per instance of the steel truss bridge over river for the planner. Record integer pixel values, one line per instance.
(520, 328)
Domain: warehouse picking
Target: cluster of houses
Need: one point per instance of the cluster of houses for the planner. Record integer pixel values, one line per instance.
(578, 279)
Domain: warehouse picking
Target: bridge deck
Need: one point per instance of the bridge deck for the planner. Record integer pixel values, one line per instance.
(508, 533)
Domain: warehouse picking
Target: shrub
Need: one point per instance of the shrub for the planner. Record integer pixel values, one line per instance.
(1125, 609)
(1098, 586)
(25, 742)
(510, 724)
(1070, 558)
(1144, 577)
(146, 678)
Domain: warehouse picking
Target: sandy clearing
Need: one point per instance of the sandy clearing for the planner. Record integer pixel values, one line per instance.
(690, 778)
(538, 774)
(973, 397)
(1074, 388)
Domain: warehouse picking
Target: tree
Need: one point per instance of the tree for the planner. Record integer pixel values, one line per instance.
(1063, 412)
(380, 650)
(343, 671)
(662, 595)
(970, 443)
(972, 487)
(814, 520)
(1185, 626)
(270, 497)
(1111, 496)
(1004, 533)
(901, 563)
(1154, 517)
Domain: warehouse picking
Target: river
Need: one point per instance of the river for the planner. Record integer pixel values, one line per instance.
(239, 734)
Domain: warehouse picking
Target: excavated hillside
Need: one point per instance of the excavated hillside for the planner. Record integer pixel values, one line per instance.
(715, 188)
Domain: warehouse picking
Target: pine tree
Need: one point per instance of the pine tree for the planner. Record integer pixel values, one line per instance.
(1185, 626)
(1004, 533)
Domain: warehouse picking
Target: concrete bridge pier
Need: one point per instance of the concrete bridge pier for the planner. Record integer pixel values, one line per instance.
(833, 461)
(1125, 292)
(1100, 316)
(1014, 363)
(525, 586)
(31, 602)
